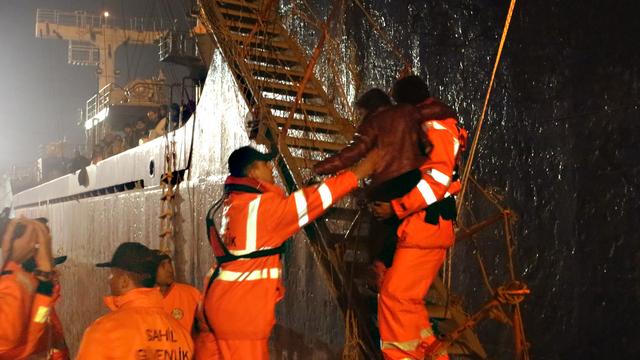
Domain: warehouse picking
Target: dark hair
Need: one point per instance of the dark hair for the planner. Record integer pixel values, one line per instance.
(141, 280)
(241, 160)
(410, 90)
(373, 100)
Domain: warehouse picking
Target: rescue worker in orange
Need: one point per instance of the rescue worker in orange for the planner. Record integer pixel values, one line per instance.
(25, 299)
(427, 230)
(48, 341)
(138, 327)
(179, 300)
(257, 219)
(205, 343)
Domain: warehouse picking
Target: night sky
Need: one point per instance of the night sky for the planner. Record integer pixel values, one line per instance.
(40, 94)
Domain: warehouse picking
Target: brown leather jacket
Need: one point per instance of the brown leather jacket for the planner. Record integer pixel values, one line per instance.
(396, 132)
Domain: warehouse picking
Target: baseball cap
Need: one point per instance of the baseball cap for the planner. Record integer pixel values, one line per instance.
(241, 158)
(160, 255)
(134, 257)
(30, 265)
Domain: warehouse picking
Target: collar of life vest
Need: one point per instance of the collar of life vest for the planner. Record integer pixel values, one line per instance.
(249, 185)
(140, 297)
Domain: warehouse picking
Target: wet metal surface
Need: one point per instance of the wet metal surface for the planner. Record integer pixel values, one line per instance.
(560, 148)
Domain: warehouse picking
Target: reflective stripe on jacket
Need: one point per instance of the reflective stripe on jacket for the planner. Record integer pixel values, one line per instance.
(23, 315)
(437, 182)
(240, 303)
(138, 328)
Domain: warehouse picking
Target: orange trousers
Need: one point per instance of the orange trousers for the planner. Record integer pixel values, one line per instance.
(405, 330)
(244, 349)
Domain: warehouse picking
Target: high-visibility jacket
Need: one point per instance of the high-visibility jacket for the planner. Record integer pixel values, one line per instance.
(205, 344)
(181, 302)
(437, 183)
(240, 303)
(138, 328)
(23, 312)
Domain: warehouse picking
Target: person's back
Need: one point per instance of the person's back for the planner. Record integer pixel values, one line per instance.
(139, 328)
(399, 141)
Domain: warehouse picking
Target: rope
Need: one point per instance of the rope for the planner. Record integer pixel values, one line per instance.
(474, 145)
(467, 169)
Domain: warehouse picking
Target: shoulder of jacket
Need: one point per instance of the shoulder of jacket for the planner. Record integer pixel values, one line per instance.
(187, 287)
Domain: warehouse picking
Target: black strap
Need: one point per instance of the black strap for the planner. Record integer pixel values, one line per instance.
(445, 208)
(228, 257)
(6, 272)
(228, 188)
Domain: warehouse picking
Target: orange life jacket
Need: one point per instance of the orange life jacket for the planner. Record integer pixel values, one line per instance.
(259, 218)
(138, 328)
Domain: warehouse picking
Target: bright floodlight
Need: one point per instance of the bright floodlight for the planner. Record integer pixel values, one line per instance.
(106, 14)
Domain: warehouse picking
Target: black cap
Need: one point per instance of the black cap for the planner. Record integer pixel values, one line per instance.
(240, 159)
(134, 257)
(161, 255)
(30, 265)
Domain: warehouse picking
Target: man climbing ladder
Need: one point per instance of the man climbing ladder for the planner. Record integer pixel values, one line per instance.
(427, 213)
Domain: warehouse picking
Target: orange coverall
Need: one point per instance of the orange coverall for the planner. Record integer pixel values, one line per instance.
(181, 301)
(405, 330)
(23, 315)
(205, 344)
(240, 304)
(138, 328)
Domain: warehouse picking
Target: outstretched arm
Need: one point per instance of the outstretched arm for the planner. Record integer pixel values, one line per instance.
(363, 141)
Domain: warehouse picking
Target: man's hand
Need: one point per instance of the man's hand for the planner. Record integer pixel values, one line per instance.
(44, 258)
(382, 210)
(367, 165)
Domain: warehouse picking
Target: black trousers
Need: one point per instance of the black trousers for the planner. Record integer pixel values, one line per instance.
(383, 237)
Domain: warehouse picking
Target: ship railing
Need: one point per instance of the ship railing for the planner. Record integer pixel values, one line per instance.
(177, 43)
(98, 104)
(82, 19)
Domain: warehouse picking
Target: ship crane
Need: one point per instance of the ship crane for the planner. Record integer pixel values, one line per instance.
(94, 39)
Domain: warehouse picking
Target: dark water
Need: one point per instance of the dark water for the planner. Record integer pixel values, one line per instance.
(560, 146)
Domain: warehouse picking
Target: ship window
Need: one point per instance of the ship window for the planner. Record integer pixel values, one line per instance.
(152, 168)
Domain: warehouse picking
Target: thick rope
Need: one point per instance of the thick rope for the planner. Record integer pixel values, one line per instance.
(476, 136)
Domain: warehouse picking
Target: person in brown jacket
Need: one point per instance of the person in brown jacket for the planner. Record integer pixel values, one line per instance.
(396, 132)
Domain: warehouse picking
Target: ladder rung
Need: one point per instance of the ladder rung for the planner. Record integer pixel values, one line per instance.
(285, 89)
(285, 59)
(275, 72)
(302, 108)
(243, 28)
(232, 16)
(240, 3)
(301, 124)
(313, 144)
(265, 43)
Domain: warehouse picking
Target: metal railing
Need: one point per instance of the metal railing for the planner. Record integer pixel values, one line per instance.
(143, 92)
(83, 54)
(83, 19)
(101, 101)
(177, 43)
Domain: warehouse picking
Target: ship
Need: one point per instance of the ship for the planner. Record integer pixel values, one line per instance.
(275, 74)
